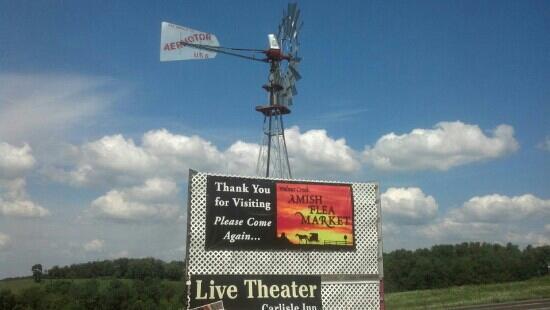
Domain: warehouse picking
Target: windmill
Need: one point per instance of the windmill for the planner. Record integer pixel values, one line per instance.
(182, 43)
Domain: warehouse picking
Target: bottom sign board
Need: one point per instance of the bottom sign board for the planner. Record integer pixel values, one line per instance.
(256, 292)
(218, 305)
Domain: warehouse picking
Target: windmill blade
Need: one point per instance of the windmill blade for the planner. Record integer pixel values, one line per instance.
(294, 72)
(288, 40)
(173, 41)
(294, 90)
(294, 23)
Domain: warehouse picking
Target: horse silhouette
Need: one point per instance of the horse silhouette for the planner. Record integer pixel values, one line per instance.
(302, 237)
(313, 237)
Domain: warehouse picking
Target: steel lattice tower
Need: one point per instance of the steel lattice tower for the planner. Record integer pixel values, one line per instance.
(273, 156)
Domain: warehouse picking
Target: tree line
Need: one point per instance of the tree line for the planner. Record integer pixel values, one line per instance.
(122, 268)
(468, 263)
(148, 283)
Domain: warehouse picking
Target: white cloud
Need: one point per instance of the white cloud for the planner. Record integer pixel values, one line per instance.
(531, 238)
(408, 206)
(42, 104)
(155, 200)
(497, 208)
(241, 158)
(194, 150)
(447, 145)
(315, 153)
(448, 230)
(545, 145)
(14, 201)
(492, 218)
(168, 155)
(95, 245)
(118, 154)
(5, 241)
(121, 254)
(15, 161)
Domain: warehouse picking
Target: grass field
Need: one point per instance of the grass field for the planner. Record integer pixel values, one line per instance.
(470, 295)
(425, 299)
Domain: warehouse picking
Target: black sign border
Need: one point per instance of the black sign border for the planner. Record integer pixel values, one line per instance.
(293, 248)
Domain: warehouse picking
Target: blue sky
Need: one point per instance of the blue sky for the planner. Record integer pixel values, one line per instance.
(96, 133)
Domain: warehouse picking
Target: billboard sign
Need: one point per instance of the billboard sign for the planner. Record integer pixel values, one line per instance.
(278, 244)
(260, 214)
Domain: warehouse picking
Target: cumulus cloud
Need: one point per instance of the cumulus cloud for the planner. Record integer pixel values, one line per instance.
(156, 199)
(121, 254)
(14, 201)
(493, 218)
(532, 238)
(14, 161)
(314, 152)
(497, 208)
(448, 230)
(408, 206)
(165, 154)
(241, 158)
(447, 145)
(5, 241)
(95, 245)
(545, 145)
(65, 99)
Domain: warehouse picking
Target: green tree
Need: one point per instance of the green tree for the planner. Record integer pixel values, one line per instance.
(37, 272)
(116, 296)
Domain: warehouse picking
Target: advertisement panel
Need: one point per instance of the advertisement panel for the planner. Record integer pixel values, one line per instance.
(256, 292)
(263, 214)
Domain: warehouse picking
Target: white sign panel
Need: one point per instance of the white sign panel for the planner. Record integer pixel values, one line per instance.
(173, 39)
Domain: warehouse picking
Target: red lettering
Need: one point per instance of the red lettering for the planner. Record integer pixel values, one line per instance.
(173, 46)
(202, 36)
(196, 36)
(166, 47)
(208, 37)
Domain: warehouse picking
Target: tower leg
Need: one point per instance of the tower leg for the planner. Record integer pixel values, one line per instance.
(285, 149)
(269, 135)
(273, 157)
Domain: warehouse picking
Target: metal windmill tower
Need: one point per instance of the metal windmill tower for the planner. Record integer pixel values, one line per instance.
(283, 74)
(182, 43)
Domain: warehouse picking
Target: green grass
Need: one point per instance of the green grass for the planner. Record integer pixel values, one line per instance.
(16, 285)
(470, 295)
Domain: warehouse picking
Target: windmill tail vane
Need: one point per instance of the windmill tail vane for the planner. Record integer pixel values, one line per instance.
(183, 43)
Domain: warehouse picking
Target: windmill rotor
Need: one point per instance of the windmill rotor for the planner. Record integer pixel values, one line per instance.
(287, 74)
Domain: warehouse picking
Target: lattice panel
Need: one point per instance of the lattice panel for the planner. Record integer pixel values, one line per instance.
(351, 296)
